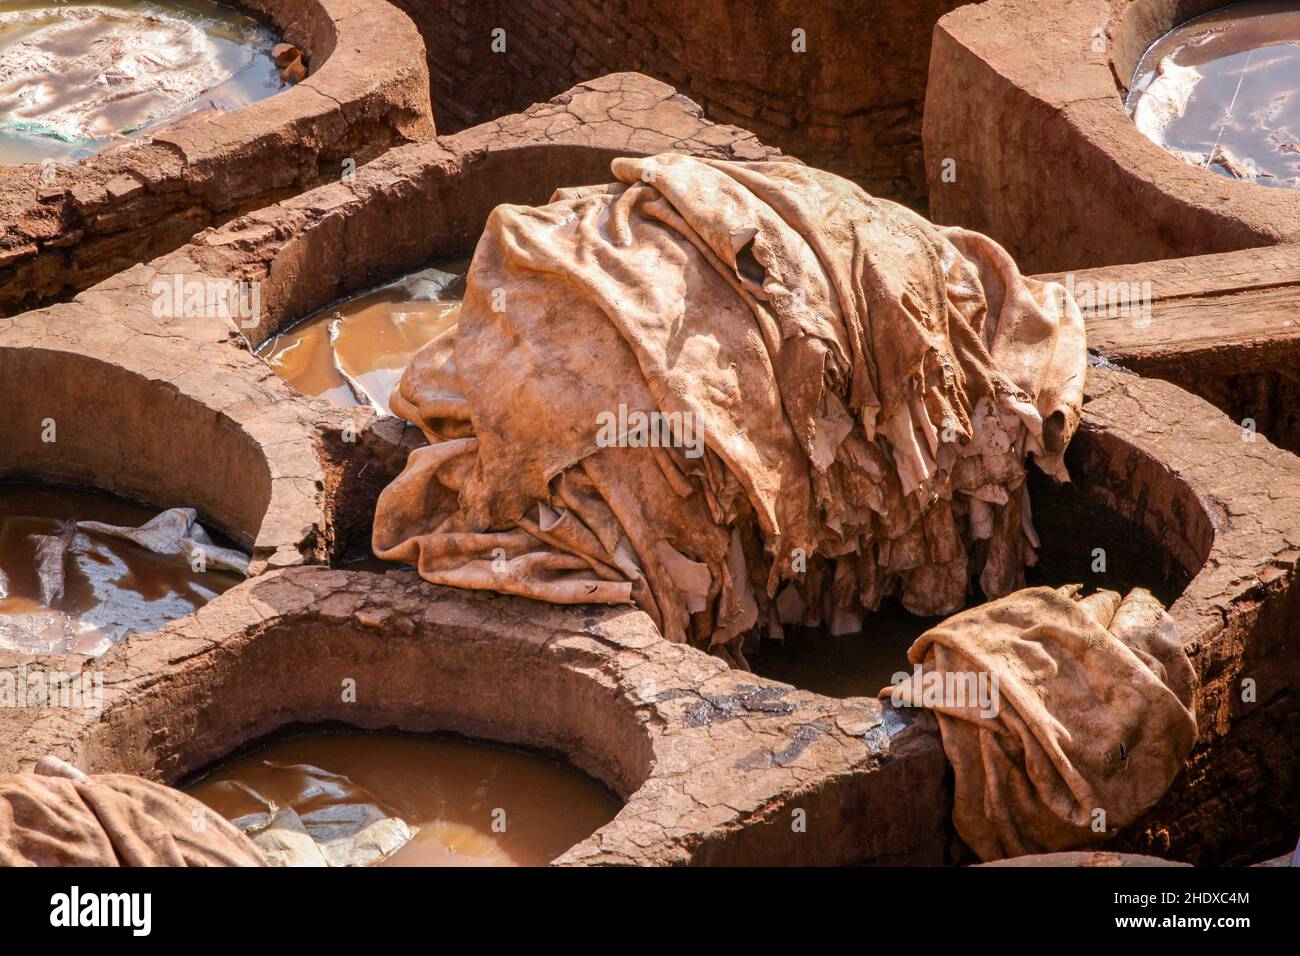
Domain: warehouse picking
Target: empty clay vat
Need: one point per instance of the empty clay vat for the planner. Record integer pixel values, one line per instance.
(838, 83)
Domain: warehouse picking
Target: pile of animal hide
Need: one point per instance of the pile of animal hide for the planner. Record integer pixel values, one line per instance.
(175, 531)
(736, 395)
(1064, 718)
(58, 816)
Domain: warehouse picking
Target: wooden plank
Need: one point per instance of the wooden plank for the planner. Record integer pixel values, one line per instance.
(1244, 304)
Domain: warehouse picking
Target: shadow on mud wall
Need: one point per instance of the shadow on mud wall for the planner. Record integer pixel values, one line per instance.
(1268, 400)
(845, 94)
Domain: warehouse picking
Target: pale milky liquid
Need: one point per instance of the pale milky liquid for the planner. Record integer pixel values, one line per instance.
(238, 50)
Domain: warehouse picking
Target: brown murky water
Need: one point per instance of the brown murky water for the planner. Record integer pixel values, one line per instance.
(475, 804)
(843, 665)
(1223, 92)
(167, 60)
(1071, 523)
(354, 352)
(111, 587)
(358, 560)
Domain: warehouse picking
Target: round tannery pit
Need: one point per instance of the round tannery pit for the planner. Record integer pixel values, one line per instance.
(78, 578)
(1012, 81)
(1222, 92)
(180, 115)
(1136, 496)
(1117, 551)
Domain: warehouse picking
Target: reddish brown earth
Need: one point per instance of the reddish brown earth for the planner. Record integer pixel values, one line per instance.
(367, 92)
(1225, 327)
(1084, 859)
(1026, 99)
(1235, 800)
(713, 764)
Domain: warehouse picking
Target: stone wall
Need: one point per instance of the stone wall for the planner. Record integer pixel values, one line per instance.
(851, 103)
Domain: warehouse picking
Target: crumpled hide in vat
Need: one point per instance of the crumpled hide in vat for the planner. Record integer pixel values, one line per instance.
(50, 627)
(1165, 99)
(58, 816)
(1053, 708)
(845, 394)
(175, 531)
(332, 822)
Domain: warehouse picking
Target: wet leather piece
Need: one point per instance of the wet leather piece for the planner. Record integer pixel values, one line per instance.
(1054, 709)
(59, 816)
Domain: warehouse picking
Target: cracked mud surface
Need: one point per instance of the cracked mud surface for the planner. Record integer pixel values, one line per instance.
(715, 766)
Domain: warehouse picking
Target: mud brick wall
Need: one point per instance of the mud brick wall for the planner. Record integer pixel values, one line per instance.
(851, 103)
